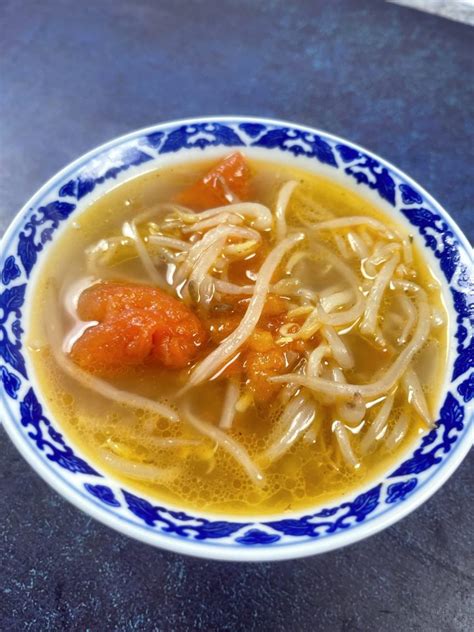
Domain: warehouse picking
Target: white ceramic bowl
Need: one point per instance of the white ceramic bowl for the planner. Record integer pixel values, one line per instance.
(37, 435)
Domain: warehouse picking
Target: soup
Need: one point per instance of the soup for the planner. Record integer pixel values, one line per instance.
(239, 337)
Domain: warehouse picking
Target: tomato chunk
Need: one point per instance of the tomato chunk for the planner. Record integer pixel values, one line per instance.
(137, 325)
(229, 178)
(262, 365)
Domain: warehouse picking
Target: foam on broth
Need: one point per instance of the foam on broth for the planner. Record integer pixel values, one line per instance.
(312, 472)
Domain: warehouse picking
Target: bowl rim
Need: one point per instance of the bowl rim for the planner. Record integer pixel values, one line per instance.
(227, 118)
(204, 549)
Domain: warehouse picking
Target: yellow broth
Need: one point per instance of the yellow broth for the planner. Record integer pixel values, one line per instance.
(206, 478)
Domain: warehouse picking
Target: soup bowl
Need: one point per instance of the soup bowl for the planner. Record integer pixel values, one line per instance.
(38, 436)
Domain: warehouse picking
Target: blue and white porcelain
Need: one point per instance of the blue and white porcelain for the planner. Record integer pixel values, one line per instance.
(39, 437)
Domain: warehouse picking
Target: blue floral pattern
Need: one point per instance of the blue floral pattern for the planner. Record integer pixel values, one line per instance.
(102, 493)
(399, 491)
(180, 523)
(11, 383)
(10, 270)
(23, 250)
(366, 170)
(11, 301)
(49, 440)
(296, 142)
(39, 229)
(345, 515)
(466, 388)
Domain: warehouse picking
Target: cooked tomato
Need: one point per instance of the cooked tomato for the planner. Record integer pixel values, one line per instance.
(137, 324)
(228, 178)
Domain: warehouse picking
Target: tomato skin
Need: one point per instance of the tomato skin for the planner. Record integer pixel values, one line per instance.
(136, 325)
(231, 175)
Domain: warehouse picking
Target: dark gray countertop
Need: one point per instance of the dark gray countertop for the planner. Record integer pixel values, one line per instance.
(75, 74)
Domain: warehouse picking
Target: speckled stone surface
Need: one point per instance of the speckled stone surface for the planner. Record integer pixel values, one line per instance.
(75, 74)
